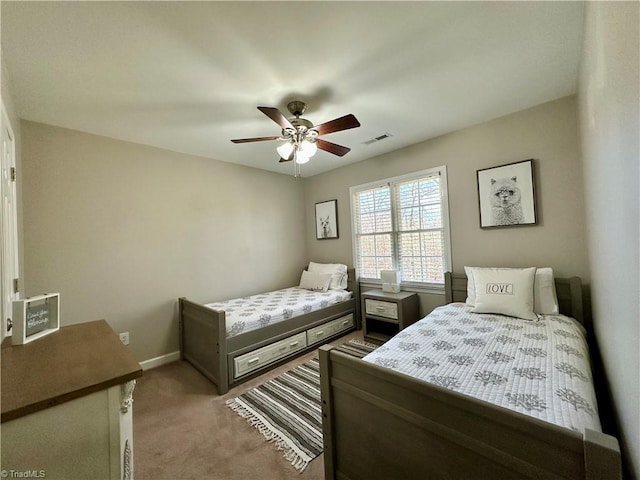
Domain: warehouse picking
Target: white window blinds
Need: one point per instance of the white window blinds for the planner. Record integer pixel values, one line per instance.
(374, 231)
(402, 224)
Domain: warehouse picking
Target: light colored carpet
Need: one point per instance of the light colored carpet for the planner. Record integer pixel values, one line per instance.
(183, 430)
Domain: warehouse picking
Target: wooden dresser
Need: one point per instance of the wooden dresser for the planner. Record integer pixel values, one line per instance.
(67, 405)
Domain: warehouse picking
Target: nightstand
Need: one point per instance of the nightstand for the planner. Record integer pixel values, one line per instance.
(384, 314)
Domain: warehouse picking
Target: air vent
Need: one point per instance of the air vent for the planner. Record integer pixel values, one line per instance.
(378, 138)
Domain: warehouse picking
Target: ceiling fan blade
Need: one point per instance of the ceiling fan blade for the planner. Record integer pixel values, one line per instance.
(275, 115)
(256, 139)
(334, 148)
(342, 123)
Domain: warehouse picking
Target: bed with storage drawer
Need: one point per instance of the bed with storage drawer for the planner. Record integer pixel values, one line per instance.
(234, 340)
(440, 400)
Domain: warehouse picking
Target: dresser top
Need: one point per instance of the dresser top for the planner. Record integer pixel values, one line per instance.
(74, 361)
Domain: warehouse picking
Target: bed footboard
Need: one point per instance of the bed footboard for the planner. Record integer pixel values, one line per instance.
(379, 424)
(203, 341)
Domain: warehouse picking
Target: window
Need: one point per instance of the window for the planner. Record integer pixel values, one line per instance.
(402, 224)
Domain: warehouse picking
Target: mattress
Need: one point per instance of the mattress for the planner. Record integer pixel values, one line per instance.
(539, 368)
(251, 313)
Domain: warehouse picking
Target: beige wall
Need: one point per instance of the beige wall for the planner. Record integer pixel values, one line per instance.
(609, 113)
(122, 230)
(546, 133)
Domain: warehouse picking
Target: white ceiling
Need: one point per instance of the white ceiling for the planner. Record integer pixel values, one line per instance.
(188, 76)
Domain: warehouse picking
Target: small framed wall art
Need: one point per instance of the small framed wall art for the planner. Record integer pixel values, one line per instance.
(327, 220)
(35, 317)
(506, 195)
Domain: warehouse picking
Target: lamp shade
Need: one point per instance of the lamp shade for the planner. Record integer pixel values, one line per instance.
(285, 150)
(309, 148)
(301, 156)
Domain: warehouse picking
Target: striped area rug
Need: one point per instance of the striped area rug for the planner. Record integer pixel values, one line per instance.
(287, 411)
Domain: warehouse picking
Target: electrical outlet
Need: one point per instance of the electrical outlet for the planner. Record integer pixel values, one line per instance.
(124, 338)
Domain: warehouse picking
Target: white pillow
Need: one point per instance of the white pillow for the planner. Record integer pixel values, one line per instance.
(338, 273)
(471, 288)
(506, 291)
(545, 300)
(318, 282)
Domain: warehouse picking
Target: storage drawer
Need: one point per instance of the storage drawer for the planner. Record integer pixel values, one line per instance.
(248, 362)
(319, 333)
(381, 308)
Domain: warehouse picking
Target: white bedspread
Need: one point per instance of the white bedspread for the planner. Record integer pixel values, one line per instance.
(536, 368)
(250, 313)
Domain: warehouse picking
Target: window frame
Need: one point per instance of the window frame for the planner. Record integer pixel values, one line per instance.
(444, 205)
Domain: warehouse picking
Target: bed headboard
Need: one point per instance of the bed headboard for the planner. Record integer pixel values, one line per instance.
(568, 290)
(352, 283)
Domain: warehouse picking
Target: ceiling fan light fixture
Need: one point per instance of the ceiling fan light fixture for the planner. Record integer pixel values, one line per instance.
(285, 149)
(309, 148)
(301, 156)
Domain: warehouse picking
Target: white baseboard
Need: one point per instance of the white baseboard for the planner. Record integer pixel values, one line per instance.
(161, 360)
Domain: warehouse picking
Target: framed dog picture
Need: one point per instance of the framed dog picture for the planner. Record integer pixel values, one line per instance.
(327, 220)
(506, 195)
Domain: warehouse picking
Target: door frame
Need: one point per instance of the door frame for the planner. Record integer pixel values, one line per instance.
(9, 249)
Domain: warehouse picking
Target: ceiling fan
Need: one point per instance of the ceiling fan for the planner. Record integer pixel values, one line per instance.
(300, 136)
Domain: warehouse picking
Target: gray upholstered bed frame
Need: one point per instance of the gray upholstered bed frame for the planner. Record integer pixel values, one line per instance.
(379, 424)
(204, 343)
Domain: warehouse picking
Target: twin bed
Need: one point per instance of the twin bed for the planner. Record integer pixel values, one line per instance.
(463, 395)
(232, 341)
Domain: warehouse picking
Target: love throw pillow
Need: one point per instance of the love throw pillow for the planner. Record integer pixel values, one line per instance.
(545, 300)
(506, 291)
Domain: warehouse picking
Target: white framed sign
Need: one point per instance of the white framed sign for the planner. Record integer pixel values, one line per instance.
(35, 317)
